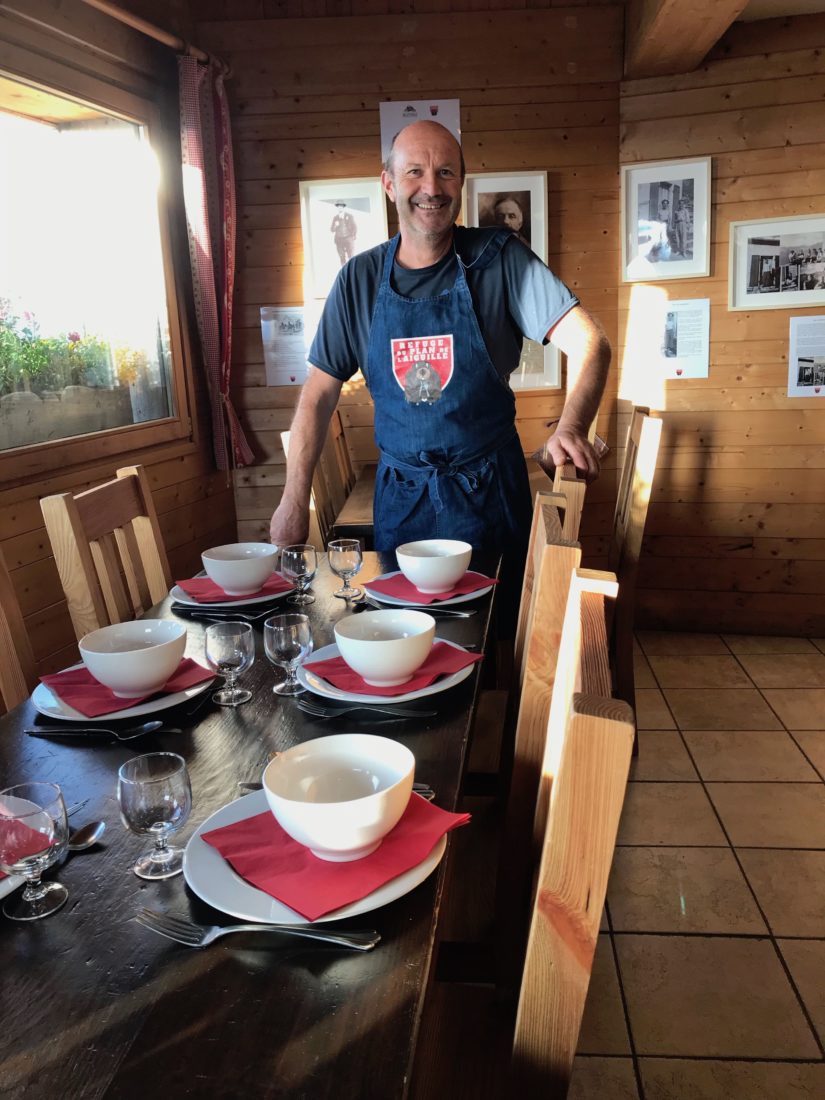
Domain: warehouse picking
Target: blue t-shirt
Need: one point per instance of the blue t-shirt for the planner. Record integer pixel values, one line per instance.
(514, 296)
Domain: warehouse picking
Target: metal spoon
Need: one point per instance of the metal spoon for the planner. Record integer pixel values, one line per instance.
(86, 836)
(125, 733)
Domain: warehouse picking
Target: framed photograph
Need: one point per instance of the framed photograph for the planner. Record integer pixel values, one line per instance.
(538, 369)
(665, 220)
(515, 200)
(339, 219)
(777, 264)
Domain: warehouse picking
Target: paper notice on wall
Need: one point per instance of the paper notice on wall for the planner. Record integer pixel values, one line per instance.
(806, 357)
(284, 335)
(685, 342)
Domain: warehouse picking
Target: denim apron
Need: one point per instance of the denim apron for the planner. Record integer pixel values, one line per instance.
(451, 463)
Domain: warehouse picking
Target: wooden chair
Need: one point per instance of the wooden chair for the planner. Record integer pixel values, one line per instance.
(332, 482)
(584, 762)
(108, 549)
(17, 668)
(632, 499)
(532, 666)
(568, 484)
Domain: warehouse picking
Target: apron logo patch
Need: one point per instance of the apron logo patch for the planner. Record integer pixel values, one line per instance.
(423, 367)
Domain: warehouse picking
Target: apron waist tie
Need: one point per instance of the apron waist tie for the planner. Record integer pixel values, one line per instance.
(434, 469)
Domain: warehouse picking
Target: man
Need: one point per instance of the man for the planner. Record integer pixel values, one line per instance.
(451, 306)
(344, 231)
(681, 227)
(507, 212)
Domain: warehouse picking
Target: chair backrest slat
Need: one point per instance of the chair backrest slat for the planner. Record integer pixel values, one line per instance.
(17, 669)
(545, 529)
(109, 551)
(549, 567)
(573, 488)
(630, 516)
(587, 758)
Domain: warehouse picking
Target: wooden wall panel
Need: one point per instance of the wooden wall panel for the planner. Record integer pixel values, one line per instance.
(736, 528)
(538, 90)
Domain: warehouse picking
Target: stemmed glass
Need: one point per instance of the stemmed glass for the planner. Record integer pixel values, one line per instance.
(298, 565)
(345, 560)
(34, 833)
(287, 642)
(229, 649)
(155, 799)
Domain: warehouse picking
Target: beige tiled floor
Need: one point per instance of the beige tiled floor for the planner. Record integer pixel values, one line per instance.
(710, 977)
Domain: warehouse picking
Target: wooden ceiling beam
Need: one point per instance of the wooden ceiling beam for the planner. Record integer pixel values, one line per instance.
(663, 37)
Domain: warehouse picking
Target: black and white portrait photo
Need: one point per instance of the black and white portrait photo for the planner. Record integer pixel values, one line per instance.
(664, 219)
(509, 209)
(665, 209)
(517, 202)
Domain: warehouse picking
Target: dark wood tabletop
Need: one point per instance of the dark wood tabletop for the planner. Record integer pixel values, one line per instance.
(94, 1005)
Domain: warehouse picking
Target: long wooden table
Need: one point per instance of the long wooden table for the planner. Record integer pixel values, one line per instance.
(96, 1006)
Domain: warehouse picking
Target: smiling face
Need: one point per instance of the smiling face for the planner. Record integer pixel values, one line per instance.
(424, 181)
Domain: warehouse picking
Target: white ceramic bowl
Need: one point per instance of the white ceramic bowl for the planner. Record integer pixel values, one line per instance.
(387, 646)
(340, 795)
(240, 567)
(134, 658)
(434, 565)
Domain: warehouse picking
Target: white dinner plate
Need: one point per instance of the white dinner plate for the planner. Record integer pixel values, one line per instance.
(53, 706)
(179, 596)
(10, 883)
(395, 601)
(209, 875)
(312, 682)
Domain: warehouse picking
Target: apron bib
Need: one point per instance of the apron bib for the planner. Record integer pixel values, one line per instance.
(451, 464)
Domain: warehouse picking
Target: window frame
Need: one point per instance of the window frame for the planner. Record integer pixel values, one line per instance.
(143, 108)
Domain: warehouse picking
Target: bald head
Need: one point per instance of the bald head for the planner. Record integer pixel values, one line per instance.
(420, 133)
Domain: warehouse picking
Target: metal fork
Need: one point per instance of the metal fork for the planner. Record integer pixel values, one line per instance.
(320, 711)
(201, 935)
(436, 611)
(221, 615)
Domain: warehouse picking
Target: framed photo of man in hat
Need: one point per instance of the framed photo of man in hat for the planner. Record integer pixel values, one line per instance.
(339, 219)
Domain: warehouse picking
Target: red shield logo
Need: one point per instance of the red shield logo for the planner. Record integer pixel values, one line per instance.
(423, 366)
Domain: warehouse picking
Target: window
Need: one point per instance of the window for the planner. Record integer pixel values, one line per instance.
(90, 349)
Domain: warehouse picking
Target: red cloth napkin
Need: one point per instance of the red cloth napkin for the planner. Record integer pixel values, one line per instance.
(79, 689)
(263, 854)
(20, 839)
(205, 590)
(442, 660)
(402, 589)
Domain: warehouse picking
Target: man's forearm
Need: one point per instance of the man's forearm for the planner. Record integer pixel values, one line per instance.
(307, 434)
(588, 363)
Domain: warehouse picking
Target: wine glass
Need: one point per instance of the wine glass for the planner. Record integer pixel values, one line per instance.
(345, 560)
(155, 799)
(34, 833)
(230, 650)
(287, 642)
(298, 565)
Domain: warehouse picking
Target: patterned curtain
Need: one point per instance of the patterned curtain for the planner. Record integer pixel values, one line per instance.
(209, 196)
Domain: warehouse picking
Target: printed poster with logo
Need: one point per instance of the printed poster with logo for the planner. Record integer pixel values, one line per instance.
(423, 367)
(806, 357)
(396, 115)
